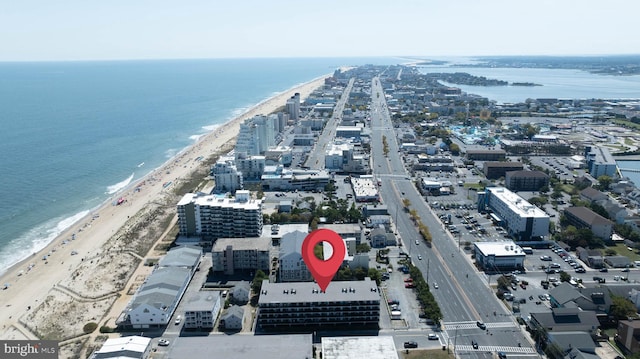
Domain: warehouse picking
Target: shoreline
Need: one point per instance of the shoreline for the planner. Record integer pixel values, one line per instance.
(149, 174)
(66, 255)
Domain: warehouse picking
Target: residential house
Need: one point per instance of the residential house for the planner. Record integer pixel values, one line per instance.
(591, 195)
(595, 299)
(232, 319)
(566, 320)
(568, 341)
(241, 292)
(618, 261)
(592, 257)
(380, 238)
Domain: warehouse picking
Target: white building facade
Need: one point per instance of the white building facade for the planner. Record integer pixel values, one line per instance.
(522, 220)
(211, 217)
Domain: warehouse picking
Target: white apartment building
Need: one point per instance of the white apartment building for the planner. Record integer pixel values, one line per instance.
(522, 220)
(214, 216)
(226, 175)
(201, 310)
(257, 134)
(251, 167)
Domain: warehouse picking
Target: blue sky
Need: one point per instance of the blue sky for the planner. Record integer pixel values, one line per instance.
(37, 30)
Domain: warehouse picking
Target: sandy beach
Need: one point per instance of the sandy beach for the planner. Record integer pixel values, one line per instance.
(83, 275)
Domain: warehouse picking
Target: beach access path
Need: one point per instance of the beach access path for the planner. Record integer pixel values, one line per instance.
(35, 281)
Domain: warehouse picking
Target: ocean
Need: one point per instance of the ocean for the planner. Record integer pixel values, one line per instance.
(75, 133)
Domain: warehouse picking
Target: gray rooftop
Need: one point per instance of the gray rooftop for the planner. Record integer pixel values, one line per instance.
(234, 310)
(379, 347)
(243, 346)
(242, 244)
(292, 243)
(201, 301)
(162, 287)
(181, 256)
(309, 292)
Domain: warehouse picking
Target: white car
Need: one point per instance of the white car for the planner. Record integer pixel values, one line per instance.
(419, 257)
(435, 285)
(163, 342)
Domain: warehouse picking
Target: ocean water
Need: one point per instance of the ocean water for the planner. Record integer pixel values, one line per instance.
(633, 166)
(556, 83)
(74, 133)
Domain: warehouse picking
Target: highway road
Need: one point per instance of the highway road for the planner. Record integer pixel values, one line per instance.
(463, 294)
(316, 156)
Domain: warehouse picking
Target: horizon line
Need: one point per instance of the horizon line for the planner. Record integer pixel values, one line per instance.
(408, 57)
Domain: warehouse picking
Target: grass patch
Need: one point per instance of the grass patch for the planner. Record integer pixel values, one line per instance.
(473, 185)
(621, 249)
(431, 354)
(625, 123)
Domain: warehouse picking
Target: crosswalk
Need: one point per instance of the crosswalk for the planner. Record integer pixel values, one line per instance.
(496, 348)
(474, 325)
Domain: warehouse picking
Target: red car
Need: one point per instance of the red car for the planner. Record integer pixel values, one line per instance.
(408, 280)
(409, 285)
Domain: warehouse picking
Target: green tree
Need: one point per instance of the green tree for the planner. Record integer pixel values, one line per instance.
(374, 274)
(455, 149)
(621, 307)
(604, 182)
(564, 276)
(359, 273)
(256, 284)
(363, 248)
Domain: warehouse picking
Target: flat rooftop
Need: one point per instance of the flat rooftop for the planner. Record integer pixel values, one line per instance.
(500, 249)
(380, 347)
(516, 203)
(309, 292)
(243, 346)
(242, 244)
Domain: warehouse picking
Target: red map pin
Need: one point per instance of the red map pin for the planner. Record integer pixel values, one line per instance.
(323, 270)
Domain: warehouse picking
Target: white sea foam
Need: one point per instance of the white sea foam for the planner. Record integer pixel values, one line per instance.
(210, 128)
(35, 239)
(195, 138)
(120, 185)
(170, 153)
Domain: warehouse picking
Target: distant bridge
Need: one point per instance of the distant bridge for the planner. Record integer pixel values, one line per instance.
(629, 170)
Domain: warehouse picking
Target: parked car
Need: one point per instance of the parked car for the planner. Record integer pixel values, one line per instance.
(410, 344)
